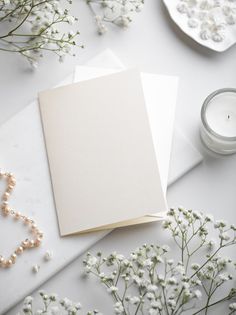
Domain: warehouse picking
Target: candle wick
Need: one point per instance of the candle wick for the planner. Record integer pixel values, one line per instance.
(228, 116)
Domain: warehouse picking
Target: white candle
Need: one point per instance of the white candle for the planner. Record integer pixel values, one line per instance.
(218, 130)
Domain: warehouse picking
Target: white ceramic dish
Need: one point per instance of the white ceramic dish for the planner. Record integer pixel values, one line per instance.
(212, 27)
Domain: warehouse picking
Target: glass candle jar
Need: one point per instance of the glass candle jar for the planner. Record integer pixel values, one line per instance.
(218, 115)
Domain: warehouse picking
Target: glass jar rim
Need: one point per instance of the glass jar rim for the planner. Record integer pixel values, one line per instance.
(203, 111)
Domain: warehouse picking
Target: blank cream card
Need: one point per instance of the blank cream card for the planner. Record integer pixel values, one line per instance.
(101, 155)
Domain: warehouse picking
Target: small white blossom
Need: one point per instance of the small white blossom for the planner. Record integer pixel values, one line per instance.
(152, 288)
(224, 236)
(172, 281)
(165, 248)
(224, 277)
(195, 266)
(232, 306)
(152, 311)
(171, 303)
(78, 306)
(170, 262)
(220, 224)
(92, 261)
(150, 296)
(222, 262)
(198, 294)
(27, 308)
(186, 285)
(233, 227)
(133, 256)
(167, 223)
(48, 255)
(70, 19)
(148, 263)
(211, 244)
(209, 218)
(66, 302)
(180, 269)
(156, 305)
(28, 300)
(118, 308)
(112, 289)
(118, 13)
(137, 280)
(120, 257)
(197, 215)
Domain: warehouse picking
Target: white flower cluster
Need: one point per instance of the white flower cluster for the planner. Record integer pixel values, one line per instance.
(151, 282)
(117, 12)
(158, 280)
(52, 306)
(31, 27)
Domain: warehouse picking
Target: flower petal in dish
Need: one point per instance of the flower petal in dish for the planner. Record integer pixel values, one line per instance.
(211, 23)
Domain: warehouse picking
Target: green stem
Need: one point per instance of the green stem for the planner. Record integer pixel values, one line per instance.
(213, 304)
(166, 306)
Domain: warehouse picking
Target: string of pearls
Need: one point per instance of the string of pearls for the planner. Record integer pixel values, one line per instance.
(5, 210)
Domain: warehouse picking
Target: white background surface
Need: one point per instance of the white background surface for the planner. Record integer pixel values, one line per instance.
(154, 44)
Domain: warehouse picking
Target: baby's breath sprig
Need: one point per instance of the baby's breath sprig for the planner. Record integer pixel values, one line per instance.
(31, 27)
(151, 282)
(116, 12)
(52, 305)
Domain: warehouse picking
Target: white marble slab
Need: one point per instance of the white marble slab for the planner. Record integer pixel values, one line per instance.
(23, 153)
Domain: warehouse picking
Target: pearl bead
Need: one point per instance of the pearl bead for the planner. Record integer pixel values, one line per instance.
(6, 210)
(5, 196)
(12, 181)
(24, 244)
(19, 250)
(37, 242)
(38, 235)
(9, 189)
(4, 205)
(34, 227)
(4, 263)
(17, 215)
(26, 220)
(13, 258)
(8, 263)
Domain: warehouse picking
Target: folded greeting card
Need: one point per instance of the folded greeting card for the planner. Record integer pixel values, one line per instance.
(100, 149)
